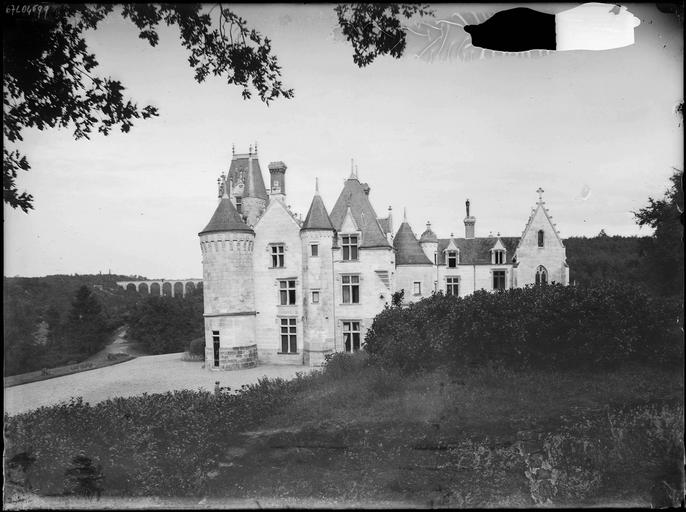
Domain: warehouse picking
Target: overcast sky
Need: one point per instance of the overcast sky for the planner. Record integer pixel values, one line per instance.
(596, 129)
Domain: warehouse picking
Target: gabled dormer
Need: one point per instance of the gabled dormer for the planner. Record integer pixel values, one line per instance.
(498, 253)
(451, 254)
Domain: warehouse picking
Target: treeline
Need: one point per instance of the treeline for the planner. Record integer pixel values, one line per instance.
(167, 324)
(607, 258)
(54, 320)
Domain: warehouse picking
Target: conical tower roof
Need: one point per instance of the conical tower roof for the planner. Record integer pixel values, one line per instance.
(226, 218)
(317, 217)
(407, 248)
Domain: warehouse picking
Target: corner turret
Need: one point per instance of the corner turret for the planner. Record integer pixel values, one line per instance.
(318, 237)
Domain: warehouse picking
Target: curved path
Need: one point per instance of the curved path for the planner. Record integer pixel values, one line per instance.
(147, 374)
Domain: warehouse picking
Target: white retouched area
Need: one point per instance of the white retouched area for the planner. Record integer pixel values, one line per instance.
(147, 374)
(595, 26)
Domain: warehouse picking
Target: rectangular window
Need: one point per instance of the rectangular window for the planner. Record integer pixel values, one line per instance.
(349, 244)
(215, 346)
(314, 250)
(452, 286)
(351, 289)
(452, 259)
(289, 338)
(315, 297)
(499, 257)
(287, 292)
(239, 204)
(278, 256)
(498, 279)
(351, 336)
(417, 288)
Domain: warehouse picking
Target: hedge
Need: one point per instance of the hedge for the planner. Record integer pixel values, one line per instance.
(550, 326)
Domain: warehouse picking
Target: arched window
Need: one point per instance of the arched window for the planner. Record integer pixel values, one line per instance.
(540, 238)
(541, 275)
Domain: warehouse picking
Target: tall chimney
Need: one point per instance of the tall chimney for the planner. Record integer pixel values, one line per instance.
(277, 179)
(469, 223)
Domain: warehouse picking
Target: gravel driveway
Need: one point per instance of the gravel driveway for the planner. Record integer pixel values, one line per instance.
(147, 374)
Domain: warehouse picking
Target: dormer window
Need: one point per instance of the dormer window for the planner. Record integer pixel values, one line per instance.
(239, 204)
(349, 245)
(540, 238)
(452, 257)
(498, 257)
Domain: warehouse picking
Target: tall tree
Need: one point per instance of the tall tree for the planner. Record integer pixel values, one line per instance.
(665, 249)
(49, 77)
(86, 328)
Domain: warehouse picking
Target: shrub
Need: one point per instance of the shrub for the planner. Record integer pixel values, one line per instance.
(161, 444)
(340, 364)
(551, 326)
(197, 347)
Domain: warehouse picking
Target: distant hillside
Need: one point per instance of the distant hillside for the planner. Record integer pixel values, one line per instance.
(36, 313)
(614, 258)
(57, 291)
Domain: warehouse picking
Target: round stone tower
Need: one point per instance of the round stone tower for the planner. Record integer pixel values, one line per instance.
(228, 290)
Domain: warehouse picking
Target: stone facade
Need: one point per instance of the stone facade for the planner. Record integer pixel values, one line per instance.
(281, 290)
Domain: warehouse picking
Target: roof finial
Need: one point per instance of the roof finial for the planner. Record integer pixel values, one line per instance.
(233, 149)
(316, 186)
(352, 168)
(428, 224)
(250, 150)
(467, 205)
(540, 194)
(255, 147)
(405, 214)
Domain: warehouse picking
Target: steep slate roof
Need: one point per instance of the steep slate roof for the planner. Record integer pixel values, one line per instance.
(254, 184)
(407, 248)
(226, 218)
(317, 218)
(476, 251)
(385, 225)
(354, 193)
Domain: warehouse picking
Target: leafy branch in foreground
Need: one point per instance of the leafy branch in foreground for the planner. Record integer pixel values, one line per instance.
(375, 29)
(49, 78)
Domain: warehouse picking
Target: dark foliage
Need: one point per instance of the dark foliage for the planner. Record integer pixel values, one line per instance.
(606, 258)
(665, 249)
(85, 330)
(197, 346)
(167, 324)
(29, 302)
(162, 444)
(551, 326)
(49, 77)
(375, 29)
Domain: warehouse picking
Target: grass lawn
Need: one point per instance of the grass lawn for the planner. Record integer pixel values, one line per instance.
(475, 438)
